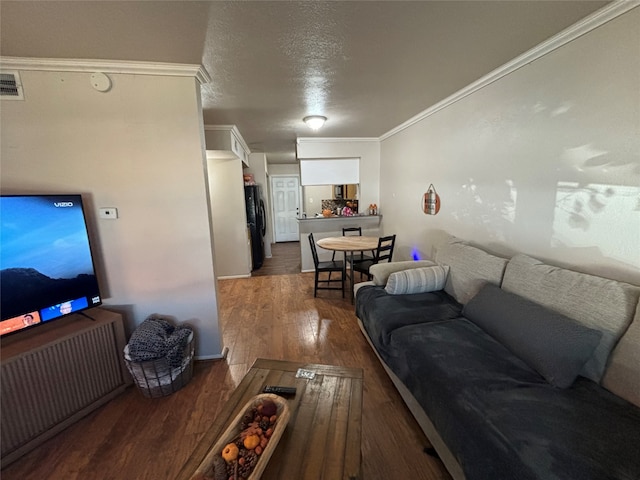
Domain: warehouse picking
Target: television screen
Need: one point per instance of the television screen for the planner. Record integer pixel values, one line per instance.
(46, 266)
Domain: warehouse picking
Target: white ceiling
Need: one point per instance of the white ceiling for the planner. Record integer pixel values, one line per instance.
(367, 66)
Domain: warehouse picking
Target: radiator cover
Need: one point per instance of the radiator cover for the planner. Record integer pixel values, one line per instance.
(53, 377)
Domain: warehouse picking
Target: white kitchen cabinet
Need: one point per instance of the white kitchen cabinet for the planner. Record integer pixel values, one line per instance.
(224, 142)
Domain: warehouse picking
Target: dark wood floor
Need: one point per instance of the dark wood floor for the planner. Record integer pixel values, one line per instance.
(269, 316)
(285, 260)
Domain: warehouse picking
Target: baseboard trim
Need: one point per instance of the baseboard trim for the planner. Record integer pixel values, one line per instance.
(219, 356)
(230, 277)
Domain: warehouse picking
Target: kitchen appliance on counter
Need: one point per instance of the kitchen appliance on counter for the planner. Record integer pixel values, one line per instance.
(257, 223)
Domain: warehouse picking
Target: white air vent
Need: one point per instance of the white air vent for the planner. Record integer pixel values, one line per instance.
(10, 86)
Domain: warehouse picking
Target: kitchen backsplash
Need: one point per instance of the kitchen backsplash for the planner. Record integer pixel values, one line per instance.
(335, 204)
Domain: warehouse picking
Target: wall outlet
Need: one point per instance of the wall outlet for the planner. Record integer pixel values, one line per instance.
(109, 212)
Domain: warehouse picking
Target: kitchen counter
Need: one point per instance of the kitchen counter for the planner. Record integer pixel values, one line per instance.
(321, 217)
(336, 223)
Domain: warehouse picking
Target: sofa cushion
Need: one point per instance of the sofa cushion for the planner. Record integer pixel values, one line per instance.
(381, 313)
(623, 373)
(502, 420)
(470, 269)
(600, 303)
(417, 280)
(552, 344)
(381, 271)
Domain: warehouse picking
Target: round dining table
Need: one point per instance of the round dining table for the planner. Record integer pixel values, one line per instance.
(349, 244)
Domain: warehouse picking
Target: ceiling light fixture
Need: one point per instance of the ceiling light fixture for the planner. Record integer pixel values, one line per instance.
(314, 122)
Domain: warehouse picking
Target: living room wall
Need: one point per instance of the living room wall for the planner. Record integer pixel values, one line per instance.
(544, 161)
(140, 148)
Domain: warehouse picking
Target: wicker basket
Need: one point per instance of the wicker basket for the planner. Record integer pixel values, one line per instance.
(155, 378)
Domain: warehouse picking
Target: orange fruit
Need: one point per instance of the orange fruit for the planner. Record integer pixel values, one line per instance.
(251, 442)
(230, 452)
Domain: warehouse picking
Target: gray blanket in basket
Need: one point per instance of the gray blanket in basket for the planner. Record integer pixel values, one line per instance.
(156, 338)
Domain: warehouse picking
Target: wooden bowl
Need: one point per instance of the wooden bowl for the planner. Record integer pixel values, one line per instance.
(204, 470)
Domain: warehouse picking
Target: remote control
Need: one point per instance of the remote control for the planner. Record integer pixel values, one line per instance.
(279, 390)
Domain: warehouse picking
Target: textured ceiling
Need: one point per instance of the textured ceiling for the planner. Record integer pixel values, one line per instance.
(367, 66)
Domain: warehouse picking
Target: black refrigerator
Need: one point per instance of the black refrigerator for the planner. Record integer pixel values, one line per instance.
(256, 221)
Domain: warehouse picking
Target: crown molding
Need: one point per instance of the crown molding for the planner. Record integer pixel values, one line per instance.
(222, 127)
(587, 24)
(106, 66)
(300, 140)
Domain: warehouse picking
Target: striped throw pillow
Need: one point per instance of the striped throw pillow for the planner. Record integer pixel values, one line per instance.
(417, 280)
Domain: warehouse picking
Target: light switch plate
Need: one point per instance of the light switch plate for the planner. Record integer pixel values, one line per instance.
(109, 212)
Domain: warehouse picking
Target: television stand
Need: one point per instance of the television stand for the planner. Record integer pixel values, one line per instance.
(55, 374)
(86, 316)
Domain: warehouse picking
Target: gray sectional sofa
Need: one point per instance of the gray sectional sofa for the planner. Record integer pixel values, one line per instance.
(513, 368)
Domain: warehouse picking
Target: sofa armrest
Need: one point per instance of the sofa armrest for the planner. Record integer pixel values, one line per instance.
(357, 287)
(381, 271)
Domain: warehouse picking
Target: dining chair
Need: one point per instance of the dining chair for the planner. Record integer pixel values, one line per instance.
(346, 231)
(326, 267)
(382, 254)
(359, 230)
(360, 256)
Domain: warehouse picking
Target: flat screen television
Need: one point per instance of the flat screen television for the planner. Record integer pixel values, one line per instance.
(46, 265)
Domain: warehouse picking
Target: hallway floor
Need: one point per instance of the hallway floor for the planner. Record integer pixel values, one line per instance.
(285, 260)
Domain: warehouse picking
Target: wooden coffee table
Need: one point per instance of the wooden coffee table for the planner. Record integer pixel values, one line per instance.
(322, 438)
